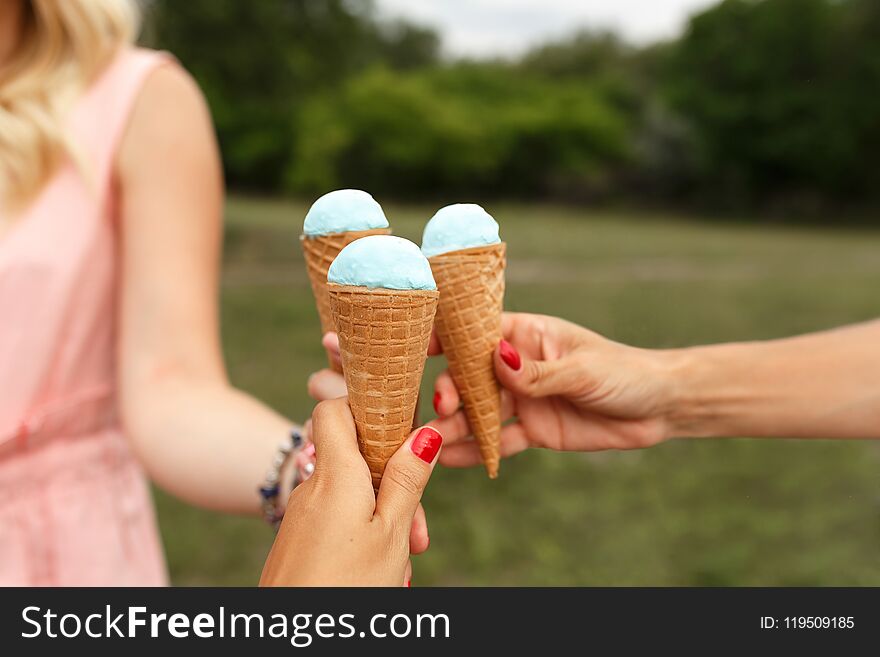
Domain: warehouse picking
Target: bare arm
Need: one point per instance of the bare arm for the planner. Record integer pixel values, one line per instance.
(198, 437)
(821, 385)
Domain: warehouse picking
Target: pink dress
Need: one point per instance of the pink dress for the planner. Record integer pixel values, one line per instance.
(75, 508)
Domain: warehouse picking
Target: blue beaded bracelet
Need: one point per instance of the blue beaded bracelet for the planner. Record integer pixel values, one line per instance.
(270, 491)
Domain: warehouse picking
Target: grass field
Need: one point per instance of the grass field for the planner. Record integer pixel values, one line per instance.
(726, 512)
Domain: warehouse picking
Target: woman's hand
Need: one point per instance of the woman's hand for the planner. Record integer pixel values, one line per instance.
(567, 388)
(326, 384)
(335, 532)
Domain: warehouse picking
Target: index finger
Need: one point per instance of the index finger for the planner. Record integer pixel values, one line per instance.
(455, 427)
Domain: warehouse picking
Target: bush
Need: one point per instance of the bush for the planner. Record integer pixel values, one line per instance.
(458, 129)
(780, 94)
(258, 61)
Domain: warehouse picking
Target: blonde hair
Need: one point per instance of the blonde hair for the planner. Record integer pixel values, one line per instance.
(64, 46)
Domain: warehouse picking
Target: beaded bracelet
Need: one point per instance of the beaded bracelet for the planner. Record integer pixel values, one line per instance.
(271, 488)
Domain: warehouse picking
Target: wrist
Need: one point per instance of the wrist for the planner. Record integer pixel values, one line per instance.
(713, 390)
(293, 463)
(687, 409)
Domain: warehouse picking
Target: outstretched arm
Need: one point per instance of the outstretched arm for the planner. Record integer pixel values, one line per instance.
(198, 437)
(821, 385)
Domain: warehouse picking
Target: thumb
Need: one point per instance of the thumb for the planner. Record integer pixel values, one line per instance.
(334, 436)
(533, 378)
(406, 476)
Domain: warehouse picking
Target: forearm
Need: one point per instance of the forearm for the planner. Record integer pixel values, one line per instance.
(198, 437)
(822, 385)
(205, 442)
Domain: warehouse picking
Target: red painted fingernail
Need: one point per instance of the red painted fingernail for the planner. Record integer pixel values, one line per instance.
(426, 444)
(437, 403)
(409, 583)
(509, 355)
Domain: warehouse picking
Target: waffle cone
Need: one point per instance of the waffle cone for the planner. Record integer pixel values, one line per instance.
(383, 340)
(319, 252)
(471, 285)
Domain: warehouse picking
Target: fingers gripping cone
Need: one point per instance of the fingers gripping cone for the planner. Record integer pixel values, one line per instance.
(383, 340)
(471, 285)
(319, 252)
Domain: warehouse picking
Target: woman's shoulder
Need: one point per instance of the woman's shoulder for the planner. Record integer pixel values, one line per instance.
(169, 114)
(138, 75)
(102, 115)
(165, 78)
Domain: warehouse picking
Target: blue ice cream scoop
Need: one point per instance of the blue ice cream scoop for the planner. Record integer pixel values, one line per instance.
(459, 226)
(342, 211)
(382, 261)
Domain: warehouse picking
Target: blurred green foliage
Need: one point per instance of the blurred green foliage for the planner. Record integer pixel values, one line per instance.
(760, 102)
(462, 129)
(257, 62)
(783, 95)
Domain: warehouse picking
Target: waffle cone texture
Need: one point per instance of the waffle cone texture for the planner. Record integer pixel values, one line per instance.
(319, 252)
(471, 285)
(383, 340)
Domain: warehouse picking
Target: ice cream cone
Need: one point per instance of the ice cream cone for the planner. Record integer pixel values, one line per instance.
(319, 252)
(383, 340)
(471, 285)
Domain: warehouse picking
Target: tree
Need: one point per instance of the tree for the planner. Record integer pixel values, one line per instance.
(258, 62)
(763, 85)
(858, 55)
(460, 129)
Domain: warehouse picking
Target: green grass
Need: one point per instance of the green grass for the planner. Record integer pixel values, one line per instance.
(726, 512)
